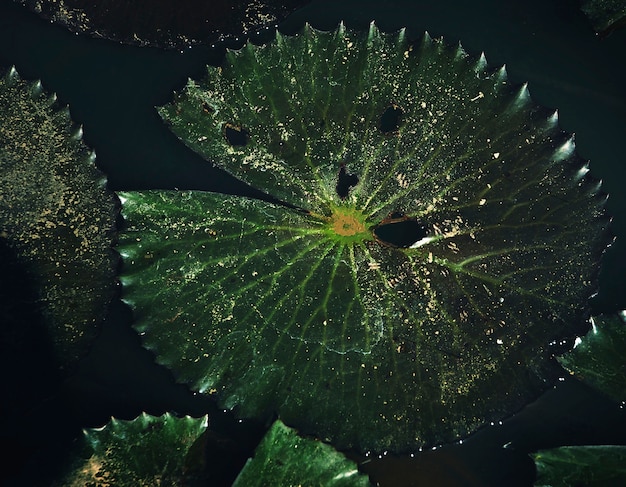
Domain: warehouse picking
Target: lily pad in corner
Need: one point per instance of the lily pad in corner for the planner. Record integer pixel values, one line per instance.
(56, 214)
(165, 23)
(599, 358)
(148, 450)
(284, 458)
(572, 466)
(436, 246)
(605, 15)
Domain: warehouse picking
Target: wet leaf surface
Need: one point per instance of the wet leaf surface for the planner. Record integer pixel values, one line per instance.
(589, 466)
(147, 451)
(284, 458)
(306, 311)
(56, 216)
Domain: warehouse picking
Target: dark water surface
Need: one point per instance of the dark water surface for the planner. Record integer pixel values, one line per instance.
(112, 89)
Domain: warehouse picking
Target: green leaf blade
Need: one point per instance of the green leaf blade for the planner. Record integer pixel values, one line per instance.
(255, 263)
(149, 450)
(599, 359)
(592, 466)
(284, 458)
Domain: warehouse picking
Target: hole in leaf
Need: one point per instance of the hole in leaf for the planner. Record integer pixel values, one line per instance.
(236, 135)
(390, 119)
(345, 182)
(400, 231)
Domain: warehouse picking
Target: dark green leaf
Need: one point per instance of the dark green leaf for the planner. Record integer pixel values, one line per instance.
(55, 213)
(307, 312)
(604, 14)
(588, 466)
(149, 450)
(284, 458)
(599, 359)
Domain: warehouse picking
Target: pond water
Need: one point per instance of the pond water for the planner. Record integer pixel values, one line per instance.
(112, 89)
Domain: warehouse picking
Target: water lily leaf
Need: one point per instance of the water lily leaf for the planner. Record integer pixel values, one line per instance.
(571, 466)
(444, 242)
(166, 23)
(599, 358)
(56, 214)
(605, 15)
(284, 458)
(149, 450)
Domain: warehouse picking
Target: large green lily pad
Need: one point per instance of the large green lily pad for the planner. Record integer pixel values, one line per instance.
(284, 458)
(147, 451)
(572, 466)
(599, 359)
(304, 307)
(56, 214)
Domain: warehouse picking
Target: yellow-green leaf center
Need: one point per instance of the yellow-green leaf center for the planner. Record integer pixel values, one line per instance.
(348, 224)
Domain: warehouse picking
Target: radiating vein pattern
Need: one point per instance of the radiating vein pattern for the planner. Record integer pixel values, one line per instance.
(305, 312)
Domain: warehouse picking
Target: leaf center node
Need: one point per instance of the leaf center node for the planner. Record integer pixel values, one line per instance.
(347, 225)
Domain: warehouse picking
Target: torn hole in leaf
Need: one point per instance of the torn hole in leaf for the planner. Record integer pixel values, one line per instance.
(391, 119)
(236, 135)
(345, 182)
(399, 230)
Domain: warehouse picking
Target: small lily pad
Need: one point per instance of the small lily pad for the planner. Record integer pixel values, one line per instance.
(435, 245)
(573, 466)
(56, 214)
(599, 358)
(284, 458)
(149, 450)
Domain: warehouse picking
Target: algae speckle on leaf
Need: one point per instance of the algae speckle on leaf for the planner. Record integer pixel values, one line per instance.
(302, 308)
(147, 451)
(56, 215)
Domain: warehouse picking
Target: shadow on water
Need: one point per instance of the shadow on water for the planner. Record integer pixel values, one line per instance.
(34, 430)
